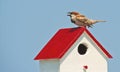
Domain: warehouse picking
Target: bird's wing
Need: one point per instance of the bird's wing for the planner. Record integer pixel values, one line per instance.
(81, 19)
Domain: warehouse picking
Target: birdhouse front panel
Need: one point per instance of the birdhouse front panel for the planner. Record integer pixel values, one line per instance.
(84, 52)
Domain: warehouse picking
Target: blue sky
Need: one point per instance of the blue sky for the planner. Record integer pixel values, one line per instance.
(27, 25)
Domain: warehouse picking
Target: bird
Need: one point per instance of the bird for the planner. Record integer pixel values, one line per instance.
(81, 20)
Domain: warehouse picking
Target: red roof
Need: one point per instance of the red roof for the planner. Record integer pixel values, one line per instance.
(62, 41)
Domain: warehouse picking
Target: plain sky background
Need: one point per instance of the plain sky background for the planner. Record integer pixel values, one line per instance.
(27, 25)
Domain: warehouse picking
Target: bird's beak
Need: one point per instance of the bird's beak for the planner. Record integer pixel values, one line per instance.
(69, 13)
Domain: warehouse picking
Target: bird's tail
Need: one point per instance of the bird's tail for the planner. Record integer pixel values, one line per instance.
(96, 21)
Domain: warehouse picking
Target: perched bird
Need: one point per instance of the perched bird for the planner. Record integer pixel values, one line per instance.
(81, 20)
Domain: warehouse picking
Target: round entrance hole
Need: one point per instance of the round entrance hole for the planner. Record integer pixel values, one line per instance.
(82, 49)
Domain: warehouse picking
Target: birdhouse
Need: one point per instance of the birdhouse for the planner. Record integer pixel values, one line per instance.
(73, 50)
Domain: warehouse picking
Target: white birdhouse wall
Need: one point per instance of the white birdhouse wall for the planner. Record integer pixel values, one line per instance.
(73, 61)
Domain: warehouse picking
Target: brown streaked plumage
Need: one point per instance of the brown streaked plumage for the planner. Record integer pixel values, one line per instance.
(81, 20)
